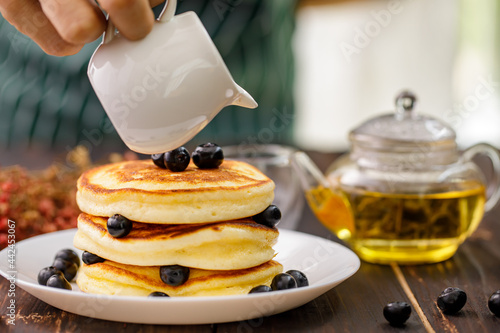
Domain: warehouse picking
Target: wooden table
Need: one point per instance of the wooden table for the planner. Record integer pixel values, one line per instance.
(353, 306)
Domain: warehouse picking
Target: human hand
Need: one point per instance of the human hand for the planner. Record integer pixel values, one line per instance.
(63, 27)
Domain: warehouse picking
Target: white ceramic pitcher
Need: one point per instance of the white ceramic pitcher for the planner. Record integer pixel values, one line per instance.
(159, 92)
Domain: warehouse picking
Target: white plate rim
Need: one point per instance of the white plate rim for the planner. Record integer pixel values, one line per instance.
(214, 309)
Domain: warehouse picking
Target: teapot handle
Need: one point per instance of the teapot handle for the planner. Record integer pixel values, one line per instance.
(166, 15)
(493, 154)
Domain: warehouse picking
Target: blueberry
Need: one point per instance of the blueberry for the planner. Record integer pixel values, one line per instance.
(397, 313)
(270, 217)
(158, 294)
(494, 303)
(208, 156)
(177, 160)
(299, 277)
(58, 281)
(90, 258)
(451, 300)
(68, 268)
(174, 275)
(68, 254)
(260, 289)
(119, 226)
(158, 160)
(45, 273)
(283, 281)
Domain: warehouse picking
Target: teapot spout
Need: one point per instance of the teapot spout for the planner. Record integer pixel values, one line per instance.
(309, 174)
(329, 204)
(244, 99)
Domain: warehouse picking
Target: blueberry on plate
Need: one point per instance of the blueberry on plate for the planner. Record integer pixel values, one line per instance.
(68, 268)
(158, 160)
(119, 226)
(208, 156)
(174, 275)
(397, 313)
(299, 277)
(270, 217)
(90, 258)
(260, 289)
(58, 281)
(177, 160)
(494, 303)
(283, 281)
(45, 273)
(158, 294)
(68, 254)
(451, 300)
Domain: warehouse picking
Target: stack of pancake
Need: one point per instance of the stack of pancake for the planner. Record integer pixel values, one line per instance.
(197, 218)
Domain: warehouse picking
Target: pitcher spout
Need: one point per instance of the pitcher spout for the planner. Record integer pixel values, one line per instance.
(244, 99)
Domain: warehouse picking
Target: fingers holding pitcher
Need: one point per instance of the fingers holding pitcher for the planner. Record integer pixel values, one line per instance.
(28, 18)
(76, 21)
(63, 27)
(133, 18)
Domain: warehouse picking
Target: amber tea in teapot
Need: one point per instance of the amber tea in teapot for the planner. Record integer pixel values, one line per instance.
(404, 193)
(435, 222)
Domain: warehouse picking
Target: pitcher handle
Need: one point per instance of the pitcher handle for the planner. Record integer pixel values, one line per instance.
(166, 15)
(494, 155)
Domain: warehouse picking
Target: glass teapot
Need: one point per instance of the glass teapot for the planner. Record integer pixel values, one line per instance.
(404, 193)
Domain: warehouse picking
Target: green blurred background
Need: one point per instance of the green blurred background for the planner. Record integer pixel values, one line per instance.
(288, 55)
(47, 103)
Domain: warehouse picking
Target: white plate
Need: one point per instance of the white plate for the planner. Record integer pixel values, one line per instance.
(325, 263)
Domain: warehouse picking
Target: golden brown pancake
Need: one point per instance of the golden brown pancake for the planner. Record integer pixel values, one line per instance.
(143, 192)
(223, 245)
(112, 278)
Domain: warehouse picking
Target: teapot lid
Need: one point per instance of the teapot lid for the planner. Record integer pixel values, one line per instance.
(406, 132)
(405, 127)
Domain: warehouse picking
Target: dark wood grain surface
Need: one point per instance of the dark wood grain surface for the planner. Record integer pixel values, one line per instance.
(354, 306)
